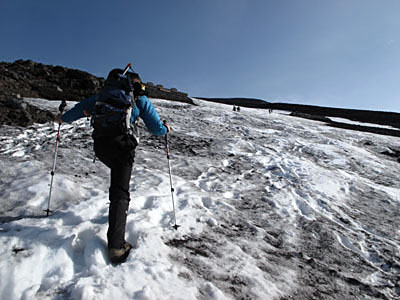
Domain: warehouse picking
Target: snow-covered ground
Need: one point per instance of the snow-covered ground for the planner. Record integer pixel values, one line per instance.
(270, 207)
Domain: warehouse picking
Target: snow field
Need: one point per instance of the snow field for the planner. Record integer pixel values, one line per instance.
(255, 195)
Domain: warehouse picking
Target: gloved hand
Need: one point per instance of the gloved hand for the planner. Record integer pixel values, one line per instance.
(167, 126)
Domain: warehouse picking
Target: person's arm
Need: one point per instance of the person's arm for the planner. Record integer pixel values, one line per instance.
(150, 117)
(80, 110)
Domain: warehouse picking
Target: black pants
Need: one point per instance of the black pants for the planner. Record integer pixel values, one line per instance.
(118, 154)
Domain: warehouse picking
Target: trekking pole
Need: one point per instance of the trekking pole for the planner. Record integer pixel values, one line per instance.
(170, 178)
(128, 66)
(61, 109)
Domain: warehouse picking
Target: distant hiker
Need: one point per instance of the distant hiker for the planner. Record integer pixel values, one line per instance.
(234, 108)
(114, 112)
(238, 108)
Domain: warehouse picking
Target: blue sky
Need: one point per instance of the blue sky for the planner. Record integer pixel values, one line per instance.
(341, 53)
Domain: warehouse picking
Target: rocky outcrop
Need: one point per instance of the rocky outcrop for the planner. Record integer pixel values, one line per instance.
(392, 152)
(365, 116)
(310, 116)
(158, 91)
(243, 102)
(28, 79)
(15, 112)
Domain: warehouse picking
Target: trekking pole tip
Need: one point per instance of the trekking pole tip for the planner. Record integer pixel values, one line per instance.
(48, 212)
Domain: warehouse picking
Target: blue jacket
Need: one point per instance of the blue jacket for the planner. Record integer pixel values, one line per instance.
(143, 109)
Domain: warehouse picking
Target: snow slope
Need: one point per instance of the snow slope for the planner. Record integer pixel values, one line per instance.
(270, 207)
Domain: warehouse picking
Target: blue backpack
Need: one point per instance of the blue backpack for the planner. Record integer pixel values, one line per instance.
(114, 106)
(113, 113)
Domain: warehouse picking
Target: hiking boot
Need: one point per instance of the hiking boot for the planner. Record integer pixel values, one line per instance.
(118, 256)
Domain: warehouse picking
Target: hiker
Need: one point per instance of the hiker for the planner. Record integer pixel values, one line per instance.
(115, 149)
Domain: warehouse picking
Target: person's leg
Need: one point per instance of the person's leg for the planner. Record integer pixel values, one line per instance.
(119, 203)
(118, 156)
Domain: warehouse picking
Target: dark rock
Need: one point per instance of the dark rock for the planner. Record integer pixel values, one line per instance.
(13, 104)
(29, 79)
(17, 113)
(244, 102)
(392, 152)
(310, 116)
(36, 80)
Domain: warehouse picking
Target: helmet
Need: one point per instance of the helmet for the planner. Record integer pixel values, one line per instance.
(116, 74)
(129, 82)
(115, 80)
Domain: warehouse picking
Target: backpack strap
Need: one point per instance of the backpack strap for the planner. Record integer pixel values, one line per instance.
(133, 127)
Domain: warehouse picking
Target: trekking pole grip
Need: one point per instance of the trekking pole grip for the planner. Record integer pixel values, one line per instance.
(165, 123)
(166, 139)
(62, 106)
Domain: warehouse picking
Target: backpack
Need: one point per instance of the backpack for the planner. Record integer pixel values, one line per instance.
(114, 106)
(113, 114)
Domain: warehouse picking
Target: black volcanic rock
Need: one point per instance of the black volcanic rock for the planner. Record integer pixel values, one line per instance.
(243, 102)
(310, 116)
(392, 152)
(365, 116)
(16, 112)
(28, 79)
